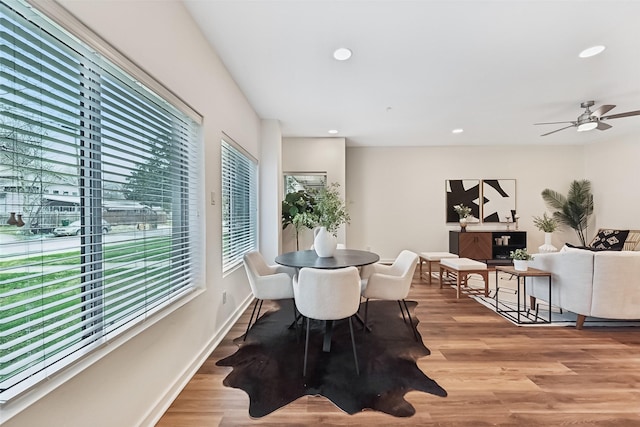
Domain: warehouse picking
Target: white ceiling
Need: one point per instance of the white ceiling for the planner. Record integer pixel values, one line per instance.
(422, 68)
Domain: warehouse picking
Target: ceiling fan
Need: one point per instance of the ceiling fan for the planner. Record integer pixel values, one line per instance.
(591, 119)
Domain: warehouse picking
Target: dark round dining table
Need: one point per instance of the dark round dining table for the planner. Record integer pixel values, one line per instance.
(342, 258)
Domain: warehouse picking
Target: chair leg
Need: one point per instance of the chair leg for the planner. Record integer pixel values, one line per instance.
(306, 350)
(259, 308)
(366, 312)
(415, 334)
(294, 324)
(353, 344)
(295, 320)
(404, 319)
(251, 318)
(295, 315)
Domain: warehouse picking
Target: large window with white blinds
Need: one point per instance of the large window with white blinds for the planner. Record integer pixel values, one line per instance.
(239, 205)
(98, 198)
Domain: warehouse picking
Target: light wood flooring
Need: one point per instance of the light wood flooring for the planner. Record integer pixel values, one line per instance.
(494, 372)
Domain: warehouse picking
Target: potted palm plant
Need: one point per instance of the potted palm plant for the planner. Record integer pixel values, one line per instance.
(574, 209)
(520, 259)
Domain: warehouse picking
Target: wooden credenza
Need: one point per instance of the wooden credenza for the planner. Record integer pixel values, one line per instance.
(482, 245)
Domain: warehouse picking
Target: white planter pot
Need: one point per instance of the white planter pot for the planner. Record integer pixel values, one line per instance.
(324, 243)
(547, 247)
(520, 265)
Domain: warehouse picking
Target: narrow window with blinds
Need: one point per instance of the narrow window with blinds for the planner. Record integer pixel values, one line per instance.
(239, 205)
(98, 198)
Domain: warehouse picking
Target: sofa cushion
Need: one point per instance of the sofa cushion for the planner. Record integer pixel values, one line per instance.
(612, 240)
(616, 290)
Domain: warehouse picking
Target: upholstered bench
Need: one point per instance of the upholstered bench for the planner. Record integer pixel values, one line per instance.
(462, 268)
(431, 257)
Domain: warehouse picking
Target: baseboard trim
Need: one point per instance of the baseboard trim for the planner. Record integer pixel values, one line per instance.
(164, 402)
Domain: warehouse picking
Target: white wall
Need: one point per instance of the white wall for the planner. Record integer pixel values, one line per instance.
(396, 196)
(122, 388)
(314, 155)
(614, 172)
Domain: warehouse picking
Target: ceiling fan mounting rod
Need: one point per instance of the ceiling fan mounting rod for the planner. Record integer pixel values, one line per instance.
(587, 104)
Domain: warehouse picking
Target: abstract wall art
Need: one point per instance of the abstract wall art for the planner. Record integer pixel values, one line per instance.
(498, 199)
(462, 191)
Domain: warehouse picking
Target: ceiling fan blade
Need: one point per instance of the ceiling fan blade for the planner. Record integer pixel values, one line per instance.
(602, 110)
(603, 126)
(617, 116)
(555, 123)
(557, 130)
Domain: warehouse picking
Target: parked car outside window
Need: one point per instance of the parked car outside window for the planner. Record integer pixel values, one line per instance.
(74, 228)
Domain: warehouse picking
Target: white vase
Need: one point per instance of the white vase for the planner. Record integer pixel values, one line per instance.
(324, 243)
(463, 224)
(547, 247)
(520, 264)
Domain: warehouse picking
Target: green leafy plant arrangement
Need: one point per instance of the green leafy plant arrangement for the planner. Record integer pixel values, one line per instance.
(298, 210)
(330, 210)
(573, 210)
(545, 223)
(520, 254)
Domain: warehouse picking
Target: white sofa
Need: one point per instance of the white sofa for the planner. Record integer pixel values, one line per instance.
(603, 284)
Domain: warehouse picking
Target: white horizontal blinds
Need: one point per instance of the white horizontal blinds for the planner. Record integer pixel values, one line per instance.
(83, 142)
(40, 94)
(239, 205)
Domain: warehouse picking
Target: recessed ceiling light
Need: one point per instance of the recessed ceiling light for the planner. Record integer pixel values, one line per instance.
(342, 54)
(457, 131)
(591, 51)
(333, 131)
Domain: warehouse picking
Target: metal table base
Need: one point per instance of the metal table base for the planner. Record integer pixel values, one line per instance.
(521, 314)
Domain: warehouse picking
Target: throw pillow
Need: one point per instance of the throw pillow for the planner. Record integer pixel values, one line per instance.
(586, 248)
(611, 240)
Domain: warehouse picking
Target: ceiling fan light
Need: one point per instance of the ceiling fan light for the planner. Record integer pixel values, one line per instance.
(587, 126)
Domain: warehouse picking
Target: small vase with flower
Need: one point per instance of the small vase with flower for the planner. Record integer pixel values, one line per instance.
(463, 213)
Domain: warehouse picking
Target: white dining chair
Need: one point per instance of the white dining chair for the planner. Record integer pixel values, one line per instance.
(390, 282)
(327, 295)
(268, 282)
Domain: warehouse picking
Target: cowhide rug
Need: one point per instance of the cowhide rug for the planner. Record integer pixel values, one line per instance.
(268, 365)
